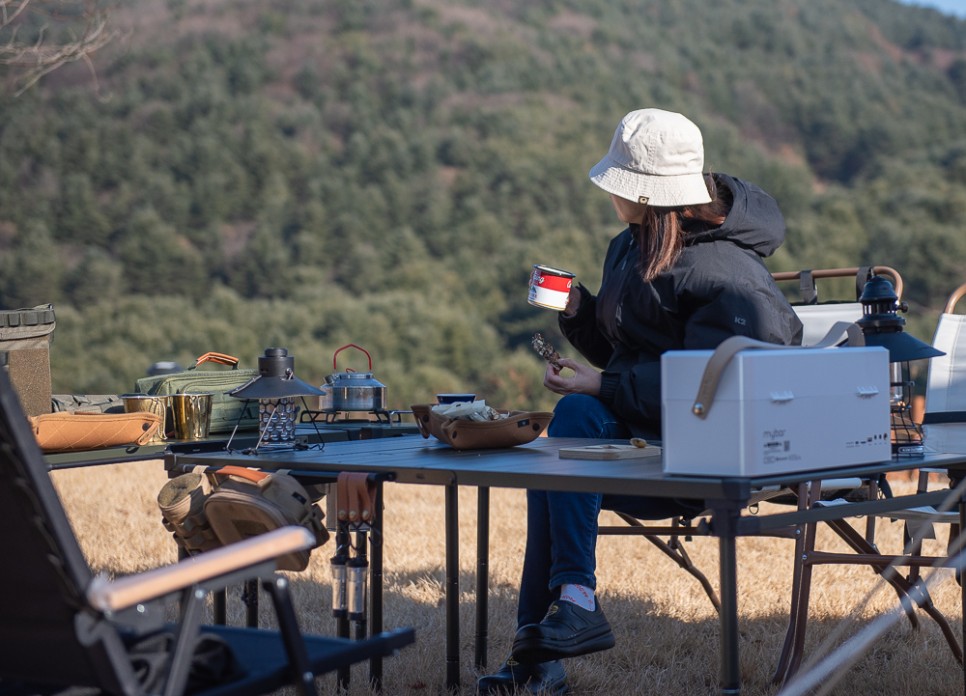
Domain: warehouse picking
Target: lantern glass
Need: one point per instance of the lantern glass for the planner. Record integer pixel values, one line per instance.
(906, 433)
(276, 421)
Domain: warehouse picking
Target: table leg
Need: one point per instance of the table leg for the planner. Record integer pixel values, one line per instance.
(343, 674)
(725, 525)
(250, 599)
(482, 574)
(452, 588)
(342, 626)
(376, 580)
(219, 600)
(360, 618)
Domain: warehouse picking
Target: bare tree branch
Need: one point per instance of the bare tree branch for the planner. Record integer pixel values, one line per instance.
(40, 36)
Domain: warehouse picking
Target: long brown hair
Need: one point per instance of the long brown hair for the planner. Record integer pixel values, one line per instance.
(660, 235)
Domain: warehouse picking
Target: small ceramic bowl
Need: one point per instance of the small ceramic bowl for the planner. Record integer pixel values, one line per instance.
(454, 398)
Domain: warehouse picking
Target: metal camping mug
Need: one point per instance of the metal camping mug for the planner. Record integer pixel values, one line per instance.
(192, 415)
(140, 403)
(550, 287)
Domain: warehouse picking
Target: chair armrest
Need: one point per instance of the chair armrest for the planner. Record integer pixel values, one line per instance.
(111, 596)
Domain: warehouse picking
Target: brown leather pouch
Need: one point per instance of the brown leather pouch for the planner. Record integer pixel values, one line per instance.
(356, 496)
(68, 432)
(518, 428)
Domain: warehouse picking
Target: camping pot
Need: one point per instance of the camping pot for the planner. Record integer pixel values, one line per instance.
(354, 391)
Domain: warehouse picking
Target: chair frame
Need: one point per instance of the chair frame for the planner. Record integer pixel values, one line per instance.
(669, 539)
(910, 590)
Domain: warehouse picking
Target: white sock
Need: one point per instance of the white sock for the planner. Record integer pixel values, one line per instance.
(580, 595)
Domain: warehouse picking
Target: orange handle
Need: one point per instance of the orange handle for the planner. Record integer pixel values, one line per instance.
(954, 298)
(241, 472)
(843, 273)
(351, 345)
(220, 358)
(356, 496)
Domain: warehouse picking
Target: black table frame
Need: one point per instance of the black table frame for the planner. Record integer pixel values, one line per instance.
(538, 466)
(309, 434)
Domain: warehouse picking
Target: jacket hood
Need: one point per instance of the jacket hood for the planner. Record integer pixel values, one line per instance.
(755, 221)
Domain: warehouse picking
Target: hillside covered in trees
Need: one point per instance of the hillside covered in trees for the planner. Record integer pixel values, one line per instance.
(309, 173)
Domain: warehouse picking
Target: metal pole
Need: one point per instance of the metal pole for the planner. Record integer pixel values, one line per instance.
(376, 580)
(725, 526)
(482, 574)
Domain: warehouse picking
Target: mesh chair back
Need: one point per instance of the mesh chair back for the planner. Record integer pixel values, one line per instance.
(817, 319)
(944, 422)
(44, 572)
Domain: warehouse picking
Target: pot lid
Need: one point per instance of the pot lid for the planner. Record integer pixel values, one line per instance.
(355, 379)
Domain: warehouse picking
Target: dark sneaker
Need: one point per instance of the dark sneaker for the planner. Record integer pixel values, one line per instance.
(566, 631)
(532, 677)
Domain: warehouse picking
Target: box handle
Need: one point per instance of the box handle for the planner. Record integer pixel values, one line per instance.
(735, 344)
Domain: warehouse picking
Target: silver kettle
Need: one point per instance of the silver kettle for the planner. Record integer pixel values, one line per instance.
(354, 391)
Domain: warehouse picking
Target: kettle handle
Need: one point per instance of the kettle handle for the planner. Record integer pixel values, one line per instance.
(350, 345)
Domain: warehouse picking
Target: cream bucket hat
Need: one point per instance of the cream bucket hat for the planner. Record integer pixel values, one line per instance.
(656, 158)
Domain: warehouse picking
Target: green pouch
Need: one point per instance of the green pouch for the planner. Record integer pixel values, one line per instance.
(226, 411)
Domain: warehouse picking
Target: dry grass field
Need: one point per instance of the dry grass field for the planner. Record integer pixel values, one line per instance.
(667, 631)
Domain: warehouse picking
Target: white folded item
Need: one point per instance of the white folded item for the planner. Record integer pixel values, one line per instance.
(469, 410)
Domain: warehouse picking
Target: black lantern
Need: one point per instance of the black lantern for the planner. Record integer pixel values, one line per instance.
(882, 326)
(277, 390)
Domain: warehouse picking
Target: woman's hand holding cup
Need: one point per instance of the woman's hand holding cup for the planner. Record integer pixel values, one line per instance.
(573, 304)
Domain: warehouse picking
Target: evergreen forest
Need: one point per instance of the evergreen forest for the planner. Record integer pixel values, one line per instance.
(231, 175)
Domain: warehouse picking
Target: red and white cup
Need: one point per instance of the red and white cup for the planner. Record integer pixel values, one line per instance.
(550, 287)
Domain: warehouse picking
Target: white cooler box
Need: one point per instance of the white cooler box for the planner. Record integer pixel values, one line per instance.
(777, 411)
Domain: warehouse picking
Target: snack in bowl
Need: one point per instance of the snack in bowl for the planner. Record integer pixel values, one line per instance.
(468, 410)
(475, 425)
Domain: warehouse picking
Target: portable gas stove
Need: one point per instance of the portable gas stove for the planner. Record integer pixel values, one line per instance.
(361, 425)
(328, 415)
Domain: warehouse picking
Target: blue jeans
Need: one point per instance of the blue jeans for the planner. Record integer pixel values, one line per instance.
(562, 527)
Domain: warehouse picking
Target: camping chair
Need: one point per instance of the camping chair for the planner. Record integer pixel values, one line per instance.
(945, 409)
(63, 629)
(817, 318)
(917, 524)
(942, 424)
(943, 429)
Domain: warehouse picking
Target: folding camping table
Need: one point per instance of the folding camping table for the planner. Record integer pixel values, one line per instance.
(538, 465)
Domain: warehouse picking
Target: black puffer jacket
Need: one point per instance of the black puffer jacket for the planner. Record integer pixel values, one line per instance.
(719, 287)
